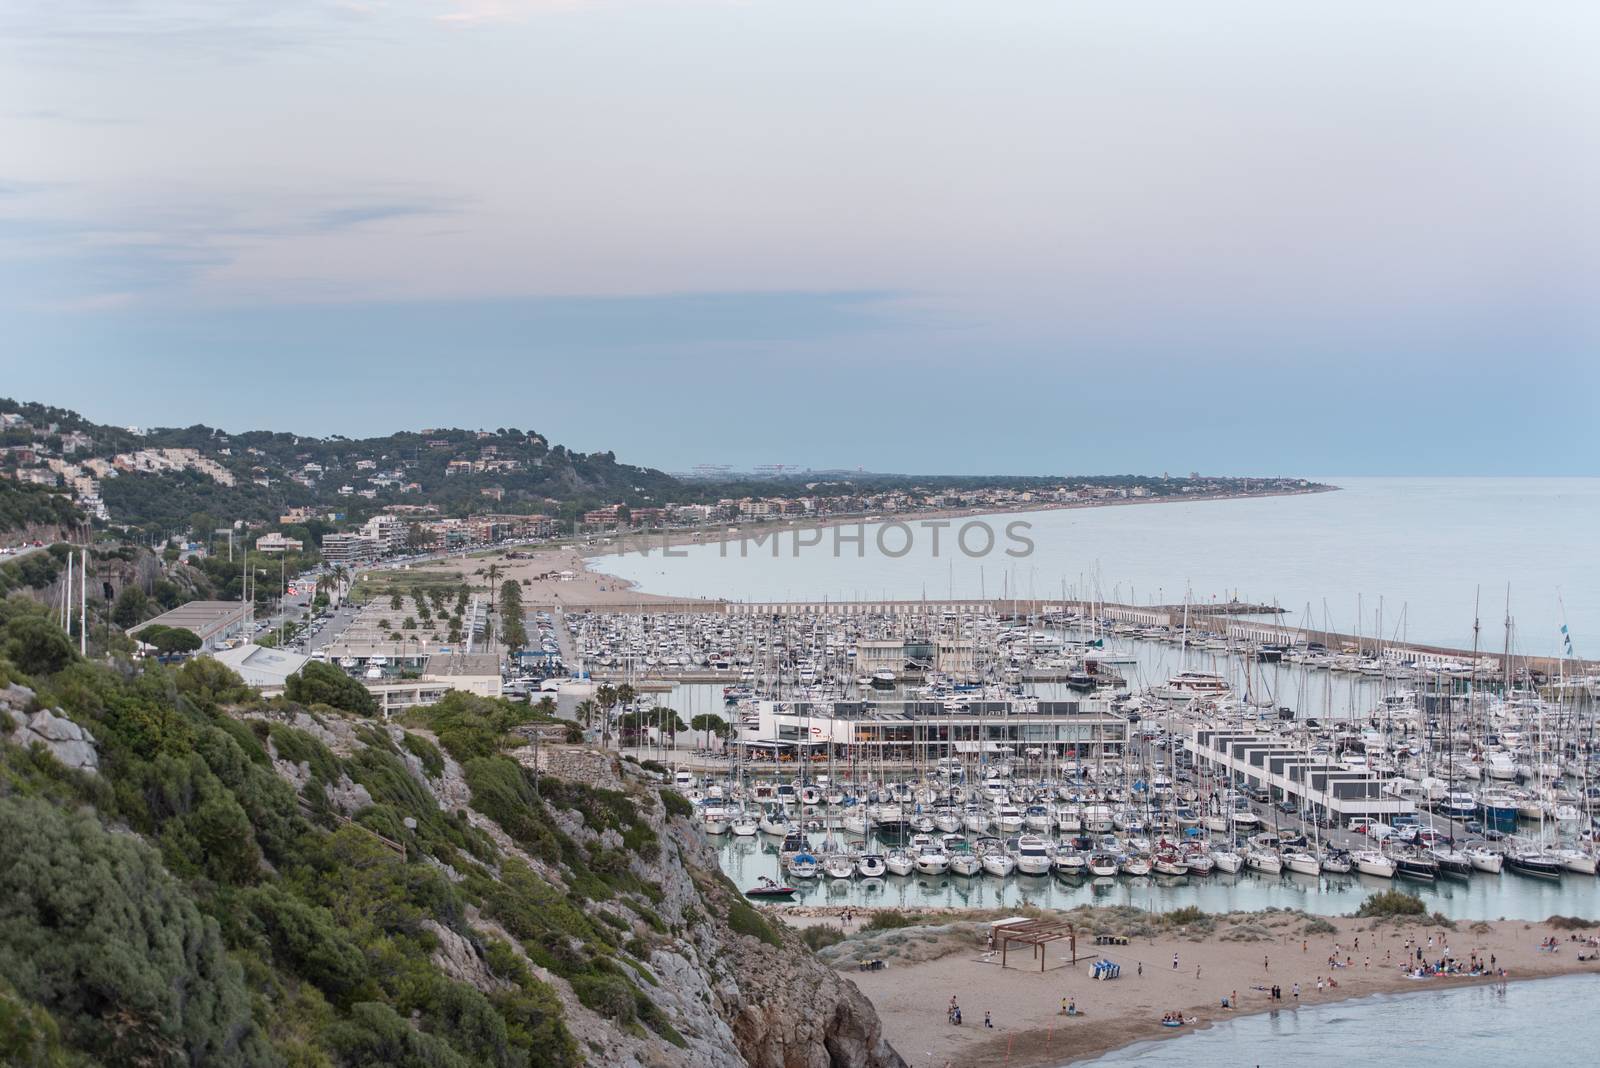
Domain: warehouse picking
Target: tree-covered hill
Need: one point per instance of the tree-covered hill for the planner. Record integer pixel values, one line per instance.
(192, 875)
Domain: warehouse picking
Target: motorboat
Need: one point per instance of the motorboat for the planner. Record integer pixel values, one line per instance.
(766, 887)
(1007, 819)
(1033, 855)
(715, 819)
(1070, 862)
(928, 857)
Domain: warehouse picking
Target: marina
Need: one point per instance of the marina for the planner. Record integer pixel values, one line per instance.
(964, 756)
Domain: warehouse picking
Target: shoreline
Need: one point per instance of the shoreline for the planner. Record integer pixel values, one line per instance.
(727, 533)
(1239, 954)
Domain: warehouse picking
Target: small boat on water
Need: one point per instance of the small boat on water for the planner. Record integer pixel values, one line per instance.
(766, 887)
(1485, 859)
(871, 865)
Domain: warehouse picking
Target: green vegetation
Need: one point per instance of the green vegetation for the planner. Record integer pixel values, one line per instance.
(747, 921)
(821, 936)
(169, 640)
(676, 804)
(893, 920)
(319, 683)
(231, 927)
(1391, 903)
(23, 504)
(1571, 923)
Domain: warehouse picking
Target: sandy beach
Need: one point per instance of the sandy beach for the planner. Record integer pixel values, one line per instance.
(1242, 956)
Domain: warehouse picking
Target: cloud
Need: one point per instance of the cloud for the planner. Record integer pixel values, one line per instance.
(344, 218)
(160, 243)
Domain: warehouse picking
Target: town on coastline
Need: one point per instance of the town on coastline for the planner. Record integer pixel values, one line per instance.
(1018, 809)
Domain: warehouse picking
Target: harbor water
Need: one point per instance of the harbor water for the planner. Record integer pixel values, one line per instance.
(1477, 897)
(1545, 1021)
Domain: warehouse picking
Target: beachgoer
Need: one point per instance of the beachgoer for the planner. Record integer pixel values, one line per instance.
(1174, 962)
(1141, 968)
(1296, 989)
(987, 1022)
(1304, 945)
(1197, 971)
(1266, 964)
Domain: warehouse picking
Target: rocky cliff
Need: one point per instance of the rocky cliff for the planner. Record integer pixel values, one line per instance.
(730, 986)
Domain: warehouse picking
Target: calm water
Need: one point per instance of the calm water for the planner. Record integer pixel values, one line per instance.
(1481, 897)
(1546, 1021)
(1425, 546)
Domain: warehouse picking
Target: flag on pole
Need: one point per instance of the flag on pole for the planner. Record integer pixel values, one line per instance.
(1566, 639)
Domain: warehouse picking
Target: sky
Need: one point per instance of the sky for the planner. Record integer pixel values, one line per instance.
(1022, 236)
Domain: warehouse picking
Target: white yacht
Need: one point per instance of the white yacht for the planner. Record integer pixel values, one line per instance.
(1033, 855)
(1373, 862)
(871, 865)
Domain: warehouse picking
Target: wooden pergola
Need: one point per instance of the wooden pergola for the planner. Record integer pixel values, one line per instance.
(1038, 934)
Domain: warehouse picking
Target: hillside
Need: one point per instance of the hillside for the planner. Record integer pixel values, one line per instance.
(193, 875)
(258, 475)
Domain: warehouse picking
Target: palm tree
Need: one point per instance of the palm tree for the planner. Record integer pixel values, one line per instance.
(607, 697)
(586, 710)
(626, 694)
(494, 573)
(546, 706)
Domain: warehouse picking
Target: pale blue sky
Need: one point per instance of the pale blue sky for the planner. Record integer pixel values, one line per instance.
(934, 236)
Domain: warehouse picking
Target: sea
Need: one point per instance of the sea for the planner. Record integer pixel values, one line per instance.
(1419, 559)
(1543, 1022)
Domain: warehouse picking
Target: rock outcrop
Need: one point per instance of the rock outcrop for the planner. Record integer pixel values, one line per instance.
(69, 743)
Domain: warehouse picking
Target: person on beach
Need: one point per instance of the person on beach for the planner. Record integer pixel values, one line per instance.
(1319, 984)
(1296, 989)
(1174, 962)
(987, 1022)
(1266, 964)
(1141, 969)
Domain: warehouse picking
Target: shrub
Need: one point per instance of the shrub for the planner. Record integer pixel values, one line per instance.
(324, 684)
(425, 751)
(500, 790)
(893, 919)
(95, 931)
(676, 804)
(1189, 914)
(1318, 926)
(743, 919)
(822, 936)
(1391, 903)
(1570, 923)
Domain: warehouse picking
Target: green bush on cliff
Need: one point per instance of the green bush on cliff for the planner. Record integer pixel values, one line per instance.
(216, 923)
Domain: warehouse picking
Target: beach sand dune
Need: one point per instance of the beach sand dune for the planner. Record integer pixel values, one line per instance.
(1242, 955)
